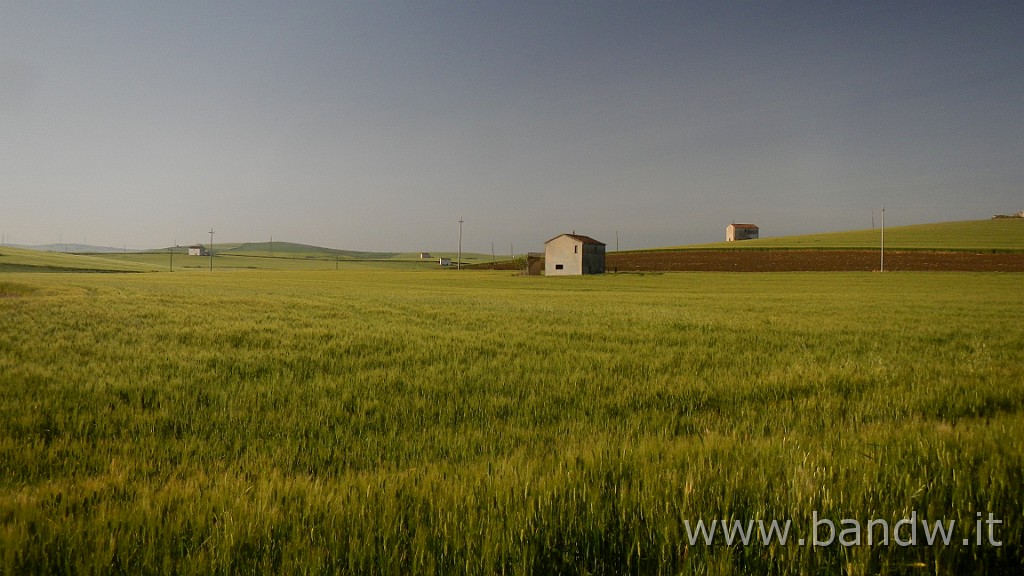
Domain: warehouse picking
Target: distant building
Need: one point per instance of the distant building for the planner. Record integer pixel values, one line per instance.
(425, 256)
(197, 250)
(572, 255)
(445, 262)
(740, 232)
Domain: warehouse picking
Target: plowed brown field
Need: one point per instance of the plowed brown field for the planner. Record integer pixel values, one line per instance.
(810, 260)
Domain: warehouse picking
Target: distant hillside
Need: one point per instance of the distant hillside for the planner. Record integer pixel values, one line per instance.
(76, 248)
(306, 251)
(289, 256)
(998, 235)
(293, 250)
(23, 260)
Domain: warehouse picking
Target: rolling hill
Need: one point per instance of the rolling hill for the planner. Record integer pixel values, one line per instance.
(70, 248)
(288, 256)
(975, 245)
(997, 235)
(23, 260)
(293, 250)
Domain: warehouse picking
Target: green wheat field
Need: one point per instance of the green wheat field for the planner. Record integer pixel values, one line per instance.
(440, 422)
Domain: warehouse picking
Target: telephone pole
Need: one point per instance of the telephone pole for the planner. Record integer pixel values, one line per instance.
(459, 265)
(211, 249)
(882, 263)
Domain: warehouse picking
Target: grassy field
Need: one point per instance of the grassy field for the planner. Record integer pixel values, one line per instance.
(394, 422)
(20, 260)
(1001, 235)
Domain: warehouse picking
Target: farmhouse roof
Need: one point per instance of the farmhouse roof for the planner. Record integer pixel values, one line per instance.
(579, 238)
(744, 225)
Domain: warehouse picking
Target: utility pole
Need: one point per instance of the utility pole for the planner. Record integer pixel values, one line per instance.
(271, 245)
(616, 240)
(170, 250)
(882, 264)
(211, 249)
(492, 252)
(459, 265)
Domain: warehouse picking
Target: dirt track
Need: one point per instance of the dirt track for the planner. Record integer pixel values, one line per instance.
(810, 260)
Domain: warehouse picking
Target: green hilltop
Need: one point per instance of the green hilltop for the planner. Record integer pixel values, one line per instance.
(293, 250)
(995, 235)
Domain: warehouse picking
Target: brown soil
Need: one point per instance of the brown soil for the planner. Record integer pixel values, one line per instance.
(810, 260)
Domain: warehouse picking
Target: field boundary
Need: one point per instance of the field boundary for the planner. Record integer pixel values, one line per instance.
(873, 249)
(814, 260)
(796, 260)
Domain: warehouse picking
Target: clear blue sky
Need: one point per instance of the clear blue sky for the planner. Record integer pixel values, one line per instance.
(376, 125)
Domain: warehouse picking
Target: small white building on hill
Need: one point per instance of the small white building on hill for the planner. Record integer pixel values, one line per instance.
(741, 232)
(197, 250)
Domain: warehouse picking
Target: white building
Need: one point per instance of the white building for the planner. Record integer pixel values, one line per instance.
(740, 232)
(572, 255)
(197, 250)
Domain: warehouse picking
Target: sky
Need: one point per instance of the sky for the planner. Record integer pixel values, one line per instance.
(378, 125)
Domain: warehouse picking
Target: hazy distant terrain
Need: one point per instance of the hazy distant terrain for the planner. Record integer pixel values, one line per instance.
(994, 237)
